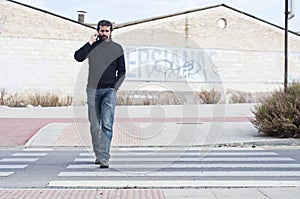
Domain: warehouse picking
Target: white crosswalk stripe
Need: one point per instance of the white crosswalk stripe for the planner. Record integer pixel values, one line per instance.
(183, 174)
(14, 166)
(172, 184)
(17, 159)
(29, 154)
(151, 168)
(196, 159)
(195, 153)
(5, 174)
(38, 149)
(179, 165)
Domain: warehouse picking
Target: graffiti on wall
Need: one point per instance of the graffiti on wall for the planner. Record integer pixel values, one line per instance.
(208, 65)
(168, 64)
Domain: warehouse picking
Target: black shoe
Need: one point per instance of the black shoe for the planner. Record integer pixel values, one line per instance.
(97, 161)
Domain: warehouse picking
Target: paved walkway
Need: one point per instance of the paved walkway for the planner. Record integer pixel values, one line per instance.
(136, 126)
(17, 131)
(205, 193)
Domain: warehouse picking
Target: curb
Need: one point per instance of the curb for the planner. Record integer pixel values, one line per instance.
(273, 142)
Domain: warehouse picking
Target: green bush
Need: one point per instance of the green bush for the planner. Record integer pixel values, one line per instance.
(279, 114)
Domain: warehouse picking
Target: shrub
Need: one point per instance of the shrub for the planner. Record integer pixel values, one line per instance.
(279, 114)
(235, 96)
(2, 94)
(210, 97)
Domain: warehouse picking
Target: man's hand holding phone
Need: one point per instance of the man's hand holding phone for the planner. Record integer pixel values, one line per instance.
(94, 37)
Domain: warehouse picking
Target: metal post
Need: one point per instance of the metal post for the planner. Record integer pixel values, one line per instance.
(286, 46)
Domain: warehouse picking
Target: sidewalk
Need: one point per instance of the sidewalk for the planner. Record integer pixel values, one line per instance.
(147, 126)
(137, 126)
(205, 193)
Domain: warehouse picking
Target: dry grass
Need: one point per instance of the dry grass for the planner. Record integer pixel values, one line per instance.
(210, 97)
(148, 98)
(128, 98)
(235, 96)
(180, 97)
(35, 99)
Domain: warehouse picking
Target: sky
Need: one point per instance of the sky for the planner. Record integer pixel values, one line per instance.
(121, 11)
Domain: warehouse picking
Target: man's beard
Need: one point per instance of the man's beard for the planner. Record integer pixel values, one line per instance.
(105, 37)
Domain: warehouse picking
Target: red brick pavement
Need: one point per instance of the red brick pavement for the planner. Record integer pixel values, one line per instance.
(17, 131)
(82, 193)
(77, 134)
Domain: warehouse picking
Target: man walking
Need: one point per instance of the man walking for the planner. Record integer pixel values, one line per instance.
(106, 74)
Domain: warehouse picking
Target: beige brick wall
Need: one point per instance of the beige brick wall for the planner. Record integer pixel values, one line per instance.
(39, 64)
(24, 22)
(36, 49)
(247, 54)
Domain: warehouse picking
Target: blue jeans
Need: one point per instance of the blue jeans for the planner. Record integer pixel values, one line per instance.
(101, 110)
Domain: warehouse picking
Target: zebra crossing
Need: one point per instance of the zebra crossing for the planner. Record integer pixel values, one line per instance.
(20, 160)
(177, 168)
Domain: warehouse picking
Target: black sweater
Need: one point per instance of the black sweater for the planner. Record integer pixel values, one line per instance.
(106, 64)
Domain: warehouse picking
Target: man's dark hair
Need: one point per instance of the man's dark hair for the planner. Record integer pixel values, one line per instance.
(104, 23)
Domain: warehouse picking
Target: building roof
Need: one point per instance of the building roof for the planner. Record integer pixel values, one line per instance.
(197, 10)
(50, 13)
(156, 18)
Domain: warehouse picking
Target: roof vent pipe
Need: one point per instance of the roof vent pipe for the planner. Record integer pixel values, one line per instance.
(81, 14)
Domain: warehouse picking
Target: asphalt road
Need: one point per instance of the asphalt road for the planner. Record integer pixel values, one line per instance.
(150, 168)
